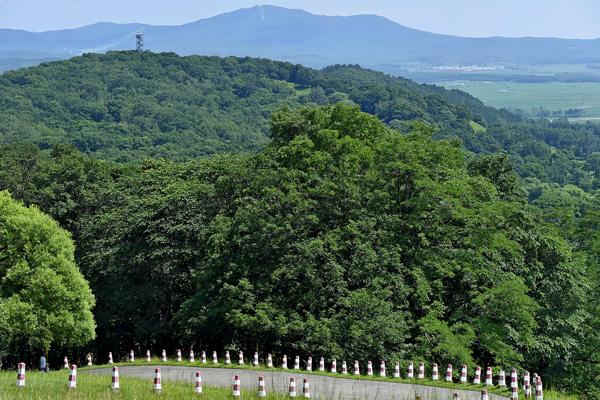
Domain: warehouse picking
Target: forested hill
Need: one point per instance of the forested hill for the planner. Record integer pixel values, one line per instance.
(339, 237)
(126, 106)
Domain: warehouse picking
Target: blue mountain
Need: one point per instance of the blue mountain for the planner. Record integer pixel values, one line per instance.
(298, 36)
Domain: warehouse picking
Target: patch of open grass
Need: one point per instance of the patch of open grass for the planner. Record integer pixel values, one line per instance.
(53, 386)
(477, 127)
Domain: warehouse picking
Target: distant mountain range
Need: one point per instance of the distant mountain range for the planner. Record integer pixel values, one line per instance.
(300, 37)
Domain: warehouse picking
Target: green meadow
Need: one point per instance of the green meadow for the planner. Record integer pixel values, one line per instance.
(53, 386)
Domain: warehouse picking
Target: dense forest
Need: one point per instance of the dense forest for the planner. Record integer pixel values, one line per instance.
(349, 214)
(127, 106)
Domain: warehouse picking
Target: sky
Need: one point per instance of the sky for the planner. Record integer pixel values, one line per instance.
(513, 18)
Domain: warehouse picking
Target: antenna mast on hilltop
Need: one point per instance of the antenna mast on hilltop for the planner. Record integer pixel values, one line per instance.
(139, 42)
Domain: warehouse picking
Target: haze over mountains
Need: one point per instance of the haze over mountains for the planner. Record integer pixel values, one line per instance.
(300, 37)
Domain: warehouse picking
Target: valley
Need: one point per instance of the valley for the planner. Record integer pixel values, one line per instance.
(578, 101)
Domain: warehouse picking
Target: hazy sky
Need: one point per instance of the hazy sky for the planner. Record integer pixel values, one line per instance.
(559, 18)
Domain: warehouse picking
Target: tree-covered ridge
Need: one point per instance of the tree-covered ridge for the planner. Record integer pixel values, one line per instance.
(341, 238)
(125, 106)
(128, 106)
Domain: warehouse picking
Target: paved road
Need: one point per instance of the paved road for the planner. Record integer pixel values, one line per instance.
(321, 387)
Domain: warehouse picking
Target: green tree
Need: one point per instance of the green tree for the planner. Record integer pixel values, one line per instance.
(44, 299)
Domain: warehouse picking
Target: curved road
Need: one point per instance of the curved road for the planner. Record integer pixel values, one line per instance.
(321, 387)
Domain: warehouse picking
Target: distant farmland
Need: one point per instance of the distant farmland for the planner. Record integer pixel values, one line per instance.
(537, 99)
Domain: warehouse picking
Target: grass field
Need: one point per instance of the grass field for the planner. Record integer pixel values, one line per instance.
(528, 96)
(53, 386)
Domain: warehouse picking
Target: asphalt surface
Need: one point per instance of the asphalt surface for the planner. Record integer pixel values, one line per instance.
(321, 387)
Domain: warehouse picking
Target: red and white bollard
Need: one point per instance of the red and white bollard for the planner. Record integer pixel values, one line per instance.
(157, 379)
(369, 368)
(334, 366)
(236, 386)
(148, 356)
(306, 389)
(297, 363)
(539, 389)
(514, 393)
(241, 358)
(72, 384)
(489, 377)
(411, 371)
(397, 370)
(227, 358)
(255, 361)
(131, 356)
(269, 361)
(477, 379)
(178, 355)
(115, 379)
(344, 368)
(21, 375)
(292, 389)
(463, 374)
(449, 373)
(382, 369)
(514, 379)
(527, 390)
(89, 360)
(203, 357)
(502, 379)
(284, 362)
(435, 375)
(163, 356)
(66, 363)
(192, 356)
(526, 380)
(110, 359)
(421, 371)
(322, 364)
(484, 395)
(262, 392)
(215, 359)
(309, 364)
(198, 383)
(356, 368)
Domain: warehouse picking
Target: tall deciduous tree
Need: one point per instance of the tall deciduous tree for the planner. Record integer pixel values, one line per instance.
(44, 299)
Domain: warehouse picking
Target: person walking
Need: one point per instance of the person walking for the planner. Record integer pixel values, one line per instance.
(43, 364)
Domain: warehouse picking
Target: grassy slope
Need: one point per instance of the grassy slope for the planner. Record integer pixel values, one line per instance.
(54, 386)
(477, 127)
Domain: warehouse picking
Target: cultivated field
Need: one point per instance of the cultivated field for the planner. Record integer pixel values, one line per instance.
(529, 97)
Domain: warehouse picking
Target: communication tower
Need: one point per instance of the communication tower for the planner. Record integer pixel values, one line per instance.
(139, 42)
